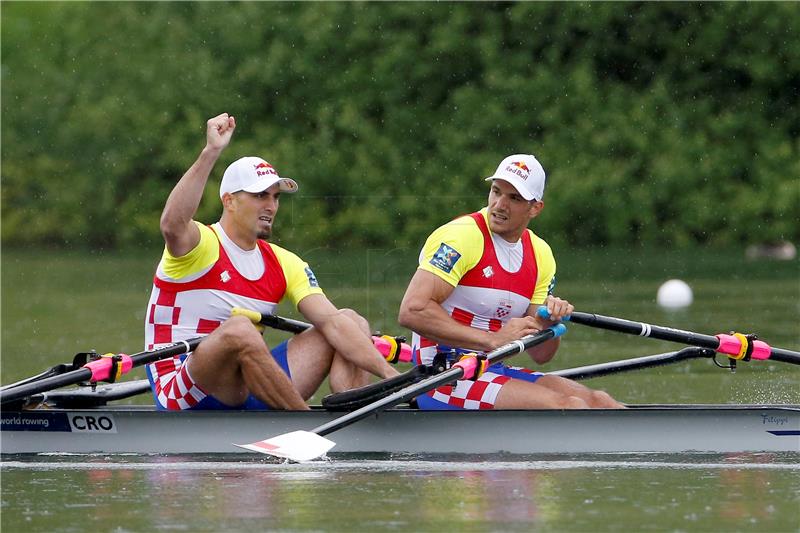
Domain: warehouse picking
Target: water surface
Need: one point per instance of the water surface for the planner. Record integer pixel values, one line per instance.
(686, 492)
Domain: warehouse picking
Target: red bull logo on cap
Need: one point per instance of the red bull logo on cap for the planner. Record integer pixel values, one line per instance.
(519, 168)
(265, 169)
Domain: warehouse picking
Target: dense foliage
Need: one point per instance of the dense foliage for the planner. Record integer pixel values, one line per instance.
(659, 123)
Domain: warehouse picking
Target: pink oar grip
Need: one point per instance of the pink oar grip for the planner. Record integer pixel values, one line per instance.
(385, 348)
(101, 368)
(469, 365)
(761, 350)
(405, 353)
(728, 344)
(731, 345)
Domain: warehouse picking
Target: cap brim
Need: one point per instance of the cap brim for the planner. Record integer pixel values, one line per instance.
(516, 184)
(286, 185)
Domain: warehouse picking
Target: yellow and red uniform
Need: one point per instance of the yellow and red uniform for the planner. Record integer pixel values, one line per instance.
(193, 294)
(487, 291)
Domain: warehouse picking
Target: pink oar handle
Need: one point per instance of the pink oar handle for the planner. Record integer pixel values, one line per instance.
(469, 365)
(473, 365)
(388, 347)
(102, 368)
(732, 345)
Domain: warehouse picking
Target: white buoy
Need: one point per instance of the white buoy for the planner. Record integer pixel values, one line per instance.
(674, 294)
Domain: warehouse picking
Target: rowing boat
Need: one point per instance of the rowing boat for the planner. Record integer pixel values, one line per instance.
(643, 428)
(38, 419)
(82, 421)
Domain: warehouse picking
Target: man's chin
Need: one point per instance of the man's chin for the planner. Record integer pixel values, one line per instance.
(265, 234)
(495, 227)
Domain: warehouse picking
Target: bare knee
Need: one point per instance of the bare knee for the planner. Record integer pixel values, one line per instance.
(573, 402)
(600, 398)
(239, 335)
(362, 322)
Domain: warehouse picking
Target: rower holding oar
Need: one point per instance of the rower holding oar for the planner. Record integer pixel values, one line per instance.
(479, 282)
(206, 271)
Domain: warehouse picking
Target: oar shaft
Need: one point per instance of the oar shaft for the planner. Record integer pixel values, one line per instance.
(391, 349)
(726, 344)
(785, 356)
(453, 374)
(283, 324)
(90, 372)
(46, 384)
(644, 330)
(636, 363)
(54, 371)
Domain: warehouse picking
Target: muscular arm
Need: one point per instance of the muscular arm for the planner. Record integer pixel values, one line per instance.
(344, 335)
(422, 312)
(180, 233)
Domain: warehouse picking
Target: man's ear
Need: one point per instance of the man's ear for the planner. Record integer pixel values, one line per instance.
(227, 201)
(536, 208)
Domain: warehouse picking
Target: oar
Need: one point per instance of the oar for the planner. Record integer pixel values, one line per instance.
(636, 363)
(308, 445)
(53, 371)
(350, 400)
(736, 345)
(391, 348)
(107, 368)
(88, 397)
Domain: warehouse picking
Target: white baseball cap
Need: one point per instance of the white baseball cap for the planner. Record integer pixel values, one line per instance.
(253, 174)
(524, 172)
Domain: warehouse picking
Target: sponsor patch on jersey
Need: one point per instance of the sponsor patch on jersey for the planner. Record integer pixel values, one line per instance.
(312, 279)
(445, 258)
(551, 286)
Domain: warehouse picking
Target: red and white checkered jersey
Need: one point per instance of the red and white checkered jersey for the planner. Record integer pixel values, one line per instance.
(199, 301)
(486, 295)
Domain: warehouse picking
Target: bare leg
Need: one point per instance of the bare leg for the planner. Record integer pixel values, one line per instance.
(233, 362)
(345, 375)
(519, 394)
(311, 358)
(593, 398)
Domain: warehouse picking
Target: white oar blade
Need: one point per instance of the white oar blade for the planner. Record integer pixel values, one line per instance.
(297, 446)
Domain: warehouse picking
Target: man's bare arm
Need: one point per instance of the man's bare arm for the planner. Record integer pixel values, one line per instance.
(180, 233)
(344, 335)
(422, 312)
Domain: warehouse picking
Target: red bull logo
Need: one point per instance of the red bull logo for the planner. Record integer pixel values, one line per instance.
(264, 169)
(519, 168)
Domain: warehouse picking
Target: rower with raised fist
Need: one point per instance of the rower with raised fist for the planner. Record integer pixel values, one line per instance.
(207, 270)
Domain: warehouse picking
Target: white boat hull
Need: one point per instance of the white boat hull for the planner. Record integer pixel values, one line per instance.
(667, 428)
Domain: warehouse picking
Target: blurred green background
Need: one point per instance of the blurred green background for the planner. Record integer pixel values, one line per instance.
(664, 124)
(669, 132)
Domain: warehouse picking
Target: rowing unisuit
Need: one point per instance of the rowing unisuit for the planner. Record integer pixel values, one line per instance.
(494, 281)
(192, 295)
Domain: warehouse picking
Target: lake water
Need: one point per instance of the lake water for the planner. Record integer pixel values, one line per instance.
(57, 305)
(689, 492)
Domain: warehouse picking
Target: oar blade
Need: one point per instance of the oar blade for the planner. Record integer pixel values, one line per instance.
(296, 446)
